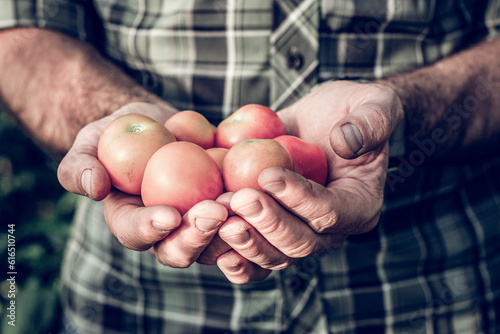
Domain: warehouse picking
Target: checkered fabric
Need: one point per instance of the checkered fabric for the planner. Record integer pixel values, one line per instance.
(432, 265)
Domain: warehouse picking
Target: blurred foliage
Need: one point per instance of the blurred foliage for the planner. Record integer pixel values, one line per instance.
(41, 211)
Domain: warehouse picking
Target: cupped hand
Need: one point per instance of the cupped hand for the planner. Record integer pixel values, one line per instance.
(176, 241)
(80, 171)
(293, 217)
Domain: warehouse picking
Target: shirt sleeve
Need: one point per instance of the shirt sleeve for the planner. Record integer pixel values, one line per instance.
(71, 17)
(488, 24)
(492, 19)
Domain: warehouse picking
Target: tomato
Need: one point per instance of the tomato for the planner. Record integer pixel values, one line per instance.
(180, 175)
(218, 154)
(252, 121)
(309, 160)
(125, 147)
(189, 125)
(247, 159)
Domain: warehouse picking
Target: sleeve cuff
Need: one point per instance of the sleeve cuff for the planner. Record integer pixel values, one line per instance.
(397, 142)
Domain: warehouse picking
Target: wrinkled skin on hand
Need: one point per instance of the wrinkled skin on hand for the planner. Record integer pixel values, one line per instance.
(176, 241)
(293, 217)
(290, 218)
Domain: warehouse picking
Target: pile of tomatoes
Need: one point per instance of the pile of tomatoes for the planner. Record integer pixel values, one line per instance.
(187, 160)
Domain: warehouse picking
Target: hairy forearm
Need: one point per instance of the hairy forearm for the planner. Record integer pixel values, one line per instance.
(454, 102)
(54, 85)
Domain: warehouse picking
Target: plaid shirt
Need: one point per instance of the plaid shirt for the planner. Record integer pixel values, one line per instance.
(433, 262)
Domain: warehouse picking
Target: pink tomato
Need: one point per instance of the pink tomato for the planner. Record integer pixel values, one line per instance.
(189, 125)
(247, 159)
(125, 147)
(252, 121)
(180, 175)
(309, 160)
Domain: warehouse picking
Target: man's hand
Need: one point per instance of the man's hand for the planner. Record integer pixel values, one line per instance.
(176, 241)
(294, 217)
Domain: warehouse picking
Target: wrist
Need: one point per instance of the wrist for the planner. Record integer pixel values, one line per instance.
(397, 140)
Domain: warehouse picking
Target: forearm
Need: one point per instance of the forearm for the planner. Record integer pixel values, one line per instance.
(454, 102)
(54, 85)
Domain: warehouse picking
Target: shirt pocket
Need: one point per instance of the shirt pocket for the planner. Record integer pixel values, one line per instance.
(397, 16)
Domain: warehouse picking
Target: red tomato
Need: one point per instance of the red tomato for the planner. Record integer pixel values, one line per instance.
(218, 154)
(191, 126)
(180, 174)
(309, 160)
(247, 159)
(251, 121)
(125, 147)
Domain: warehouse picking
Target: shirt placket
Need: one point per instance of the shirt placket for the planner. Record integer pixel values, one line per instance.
(294, 50)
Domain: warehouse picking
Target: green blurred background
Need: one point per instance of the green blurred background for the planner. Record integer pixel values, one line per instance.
(32, 199)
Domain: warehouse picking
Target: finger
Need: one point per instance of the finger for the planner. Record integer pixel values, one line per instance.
(216, 248)
(184, 245)
(80, 171)
(369, 125)
(337, 211)
(239, 270)
(247, 241)
(135, 226)
(277, 225)
(225, 199)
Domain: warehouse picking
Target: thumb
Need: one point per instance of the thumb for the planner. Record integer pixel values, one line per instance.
(84, 175)
(80, 171)
(366, 128)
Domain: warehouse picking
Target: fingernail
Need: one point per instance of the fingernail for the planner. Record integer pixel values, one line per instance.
(160, 226)
(251, 210)
(238, 236)
(353, 137)
(206, 225)
(275, 187)
(86, 181)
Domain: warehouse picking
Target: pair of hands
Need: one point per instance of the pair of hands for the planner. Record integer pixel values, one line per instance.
(250, 232)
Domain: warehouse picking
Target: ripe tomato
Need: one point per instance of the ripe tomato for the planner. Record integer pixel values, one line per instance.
(247, 159)
(309, 160)
(180, 174)
(218, 154)
(251, 121)
(189, 125)
(125, 147)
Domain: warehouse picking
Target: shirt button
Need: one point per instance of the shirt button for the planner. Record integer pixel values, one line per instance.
(298, 283)
(295, 59)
